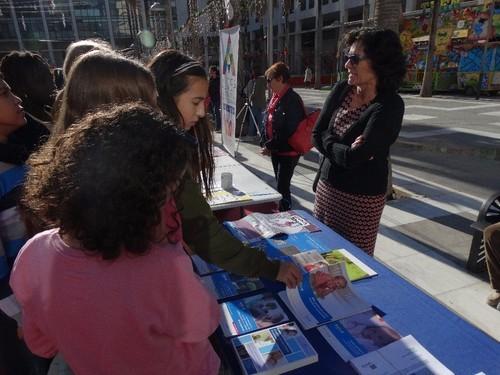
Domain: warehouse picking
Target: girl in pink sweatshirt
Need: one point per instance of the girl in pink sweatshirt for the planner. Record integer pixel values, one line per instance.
(110, 287)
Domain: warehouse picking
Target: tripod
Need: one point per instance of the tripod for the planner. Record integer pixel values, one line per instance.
(247, 108)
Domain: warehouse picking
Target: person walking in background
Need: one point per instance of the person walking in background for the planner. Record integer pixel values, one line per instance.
(492, 250)
(214, 95)
(360, 120)
(283, 115)
(308, 76)
(76, 283)
(255, 91)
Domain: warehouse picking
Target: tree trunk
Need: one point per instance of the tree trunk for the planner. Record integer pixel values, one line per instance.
(169, 27)
(286, 48)
(426, 90)
(366, 13)
(318, 45)
(387, 14)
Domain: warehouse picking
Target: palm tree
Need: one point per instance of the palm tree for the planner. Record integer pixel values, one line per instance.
(426, 90)
(387, 16)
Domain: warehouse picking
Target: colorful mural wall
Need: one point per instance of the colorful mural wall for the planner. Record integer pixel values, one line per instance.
(462, 37)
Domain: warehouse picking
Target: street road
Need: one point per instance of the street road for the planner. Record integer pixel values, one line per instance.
(450, 141)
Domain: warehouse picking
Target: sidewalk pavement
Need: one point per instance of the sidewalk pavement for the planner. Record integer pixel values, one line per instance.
(414, 234)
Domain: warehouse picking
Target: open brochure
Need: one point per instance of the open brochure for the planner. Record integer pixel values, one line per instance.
(402, 357)
(202, 267)
(312, 259)
(324, 295)
(358, 334)
(252, 313)
(274, 350)
(225, 285)
(256, 226)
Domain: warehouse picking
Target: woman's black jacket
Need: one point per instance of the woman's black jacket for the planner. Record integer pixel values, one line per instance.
(364, 169)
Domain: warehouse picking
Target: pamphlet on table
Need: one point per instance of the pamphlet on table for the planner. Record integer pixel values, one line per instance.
(222, 196)
(358, 334)
(11, 307)
(324, 295)
(274, 350)
(312, 259)
(248, 314)
(203, 268)
(256, 226)
(404, 356)
(225, 284)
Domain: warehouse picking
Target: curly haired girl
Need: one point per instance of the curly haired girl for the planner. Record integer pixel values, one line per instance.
(109, 286)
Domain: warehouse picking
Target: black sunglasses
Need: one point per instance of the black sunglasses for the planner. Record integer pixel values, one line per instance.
(354, 59)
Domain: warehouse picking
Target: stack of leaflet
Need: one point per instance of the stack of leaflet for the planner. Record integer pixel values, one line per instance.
(264, 339)
(325, 300)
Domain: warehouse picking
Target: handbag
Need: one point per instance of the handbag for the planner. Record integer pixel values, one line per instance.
(301, 139)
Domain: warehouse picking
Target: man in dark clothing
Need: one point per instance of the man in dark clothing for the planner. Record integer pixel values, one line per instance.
(214, 93)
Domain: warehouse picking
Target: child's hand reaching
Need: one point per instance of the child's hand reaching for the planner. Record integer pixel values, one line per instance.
(289, 274)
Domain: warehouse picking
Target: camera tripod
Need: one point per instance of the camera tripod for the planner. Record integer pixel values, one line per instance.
(247, 108)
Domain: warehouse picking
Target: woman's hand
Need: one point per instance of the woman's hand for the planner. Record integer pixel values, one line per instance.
(289, 274)
(358, 142)
(264, 151)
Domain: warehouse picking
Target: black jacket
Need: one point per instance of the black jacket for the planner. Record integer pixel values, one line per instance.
(362, 170)
(288, 114)
(214, 89)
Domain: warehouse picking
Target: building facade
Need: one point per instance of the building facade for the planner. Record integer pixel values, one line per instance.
(49, 26)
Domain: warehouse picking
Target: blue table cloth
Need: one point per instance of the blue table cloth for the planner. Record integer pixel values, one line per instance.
(460, 346)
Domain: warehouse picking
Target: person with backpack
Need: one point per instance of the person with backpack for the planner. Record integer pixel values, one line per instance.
(282, 117)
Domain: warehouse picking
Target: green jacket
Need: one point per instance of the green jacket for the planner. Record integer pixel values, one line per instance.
(213, 243)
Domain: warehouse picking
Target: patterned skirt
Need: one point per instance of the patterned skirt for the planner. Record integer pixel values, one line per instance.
(355, 217)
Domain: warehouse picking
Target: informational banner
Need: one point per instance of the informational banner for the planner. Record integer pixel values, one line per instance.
(229, 41)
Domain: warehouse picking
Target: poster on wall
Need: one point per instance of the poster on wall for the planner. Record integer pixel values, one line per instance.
(228, 50)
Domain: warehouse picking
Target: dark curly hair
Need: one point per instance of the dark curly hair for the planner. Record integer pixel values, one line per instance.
(172, 71)
(105, 180)
(385, 53)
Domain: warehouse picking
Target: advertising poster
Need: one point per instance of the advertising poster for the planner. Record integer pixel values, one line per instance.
(229, 41)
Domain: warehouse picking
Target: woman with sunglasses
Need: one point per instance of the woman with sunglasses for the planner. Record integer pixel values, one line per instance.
(360, 120)
(282, 117)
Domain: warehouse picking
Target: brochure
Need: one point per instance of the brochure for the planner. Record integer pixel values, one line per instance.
(11, 307)
(355, 268)
(256, 226)
(403, 357)
(277, 249)
(358, 334)
(226, 196)
(225, 285)
(202, 267)
(274, 350)
(324, 295)
(252, 313)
